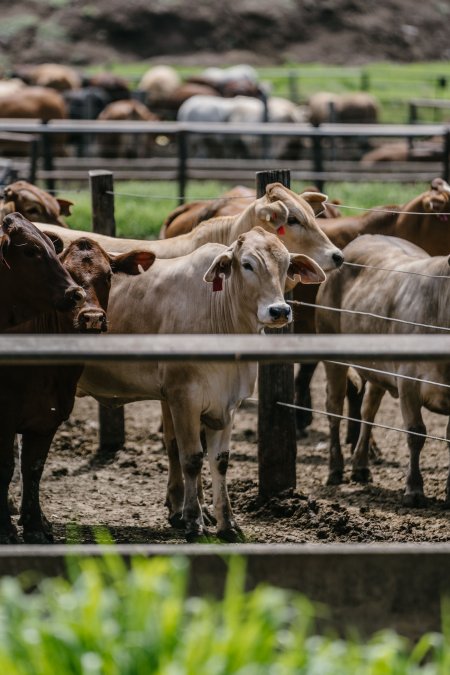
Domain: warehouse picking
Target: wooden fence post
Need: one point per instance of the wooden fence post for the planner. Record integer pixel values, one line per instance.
(277, 443)
(111, 420)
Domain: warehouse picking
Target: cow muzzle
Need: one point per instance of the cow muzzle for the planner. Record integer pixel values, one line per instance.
(92, 321)
(279, 314)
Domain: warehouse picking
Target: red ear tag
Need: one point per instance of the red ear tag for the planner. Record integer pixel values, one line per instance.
(217, 284)
(281, 230)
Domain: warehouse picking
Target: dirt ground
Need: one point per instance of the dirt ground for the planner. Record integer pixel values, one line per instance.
(126, 494)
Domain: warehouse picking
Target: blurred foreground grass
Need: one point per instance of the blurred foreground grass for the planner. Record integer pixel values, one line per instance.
(141, 207)
(110, 619)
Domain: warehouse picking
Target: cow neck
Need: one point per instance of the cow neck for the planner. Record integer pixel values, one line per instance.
(48, 322)
(228, 313)
(422, 228)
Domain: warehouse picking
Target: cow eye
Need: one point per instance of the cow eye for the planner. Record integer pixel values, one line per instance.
(292, 220)
(31, 252)
(247, 266)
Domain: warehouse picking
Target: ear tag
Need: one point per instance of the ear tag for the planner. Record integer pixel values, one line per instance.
(281, 230)
(268, 217)
(217, 284)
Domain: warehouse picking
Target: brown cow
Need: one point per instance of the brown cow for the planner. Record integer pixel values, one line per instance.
(43, 103)
(419, 296)
(53, 75)
(35, 400)
(32, 278)
(33, 203)
(126, 145)
(420, 221)
(355, 107)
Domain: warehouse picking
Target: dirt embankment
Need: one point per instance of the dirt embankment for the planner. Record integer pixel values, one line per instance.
(210, 32)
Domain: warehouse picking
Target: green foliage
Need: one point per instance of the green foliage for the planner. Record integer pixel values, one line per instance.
(12, 26)
(112, 619)
(142, 207)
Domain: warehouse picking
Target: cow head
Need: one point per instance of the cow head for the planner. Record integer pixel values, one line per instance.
(258, 266)
(32, 276)
(92, 268)
(437, 199)
(293, 218)
(35, 204)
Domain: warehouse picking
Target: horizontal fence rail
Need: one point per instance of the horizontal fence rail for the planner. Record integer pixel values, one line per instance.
(39, 349)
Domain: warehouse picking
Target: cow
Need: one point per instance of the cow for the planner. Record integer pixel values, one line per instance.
(187, 216)
(280, 210)
(216, 289)
(352, 108)
(43, 103)
(159, 83)
(34, 400)
(34, 203)
(239, 110)
(126, 145)
(422, 220)
(409, 297)
(54, 75)
(32, 278)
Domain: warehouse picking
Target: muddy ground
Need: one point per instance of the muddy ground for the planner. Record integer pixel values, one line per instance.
(126, 494)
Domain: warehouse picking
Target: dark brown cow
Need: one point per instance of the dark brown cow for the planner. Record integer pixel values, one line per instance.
(35, 400)
(35, 204)
(420, 221)
(32, 278)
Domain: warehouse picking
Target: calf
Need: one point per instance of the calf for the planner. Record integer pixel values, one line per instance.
(35, 400)
(216, 289)
(32, 278)
(416, 297)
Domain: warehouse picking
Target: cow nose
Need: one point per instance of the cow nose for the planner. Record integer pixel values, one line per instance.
(279, 311)
(92, 320)
(73, 297)
(338, 258)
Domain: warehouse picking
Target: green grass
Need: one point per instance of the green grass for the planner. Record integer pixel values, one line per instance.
(141, 207)
(108, 619)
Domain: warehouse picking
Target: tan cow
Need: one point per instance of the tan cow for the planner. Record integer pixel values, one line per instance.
(216, 289)
(43, 103)
(34, 203)
(126, 145)
(418, 297)
(53, 75)
(281, 210)
(355, 107)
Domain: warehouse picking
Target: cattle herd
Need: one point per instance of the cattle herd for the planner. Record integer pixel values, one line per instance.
(221, 269)
(52, 91)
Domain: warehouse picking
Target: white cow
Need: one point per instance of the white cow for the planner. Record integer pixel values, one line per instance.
(281, 210)
(216, 289)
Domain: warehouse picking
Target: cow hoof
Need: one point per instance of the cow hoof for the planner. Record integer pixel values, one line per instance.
(176, 521)
(303, 419)
(37, 537)
(362, 475)
(232, 535)
(9, 536)
(335, 477)
(415, 500)
(195, 534)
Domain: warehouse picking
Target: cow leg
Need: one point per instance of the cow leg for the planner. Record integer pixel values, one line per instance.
(36, 527)
(303, 418)
(8, 532)
(186, 425)
(175, 483)
(360, 460)
(447, 490)
(354, 398)
(413, 421)
(218, 443)
(336, 388)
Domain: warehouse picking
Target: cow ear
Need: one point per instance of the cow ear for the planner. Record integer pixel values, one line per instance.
(134, 262)
(274, 213)
(56, 241)
(220, 267)
(315, 200)
(65, 206)
(305, 270)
